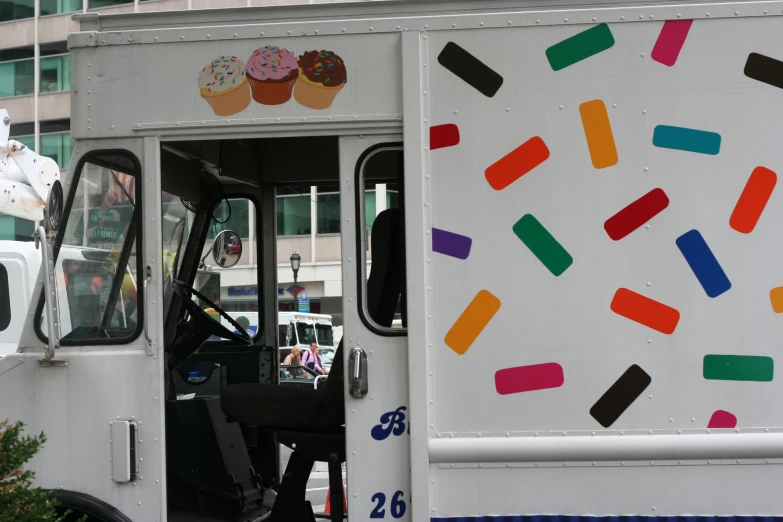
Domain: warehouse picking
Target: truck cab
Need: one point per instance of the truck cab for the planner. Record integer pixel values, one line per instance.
(582, 255)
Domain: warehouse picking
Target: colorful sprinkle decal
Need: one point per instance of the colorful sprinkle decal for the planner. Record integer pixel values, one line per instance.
(636, 214)
(470, 69)
(764, 69)
(670, 41)
(529, 378)
(753, 199)
(472, 322)
(598, 131)
(444, 136)
(703, 263)
(738, 368)
(620, 396)
(689, 140)
(645, 311)
(451, 244)
(580, 47)
(543, 245)
(776, 298)
(722, 419)
(517, 163)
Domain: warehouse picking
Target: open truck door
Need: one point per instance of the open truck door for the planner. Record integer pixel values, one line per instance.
(375, 354)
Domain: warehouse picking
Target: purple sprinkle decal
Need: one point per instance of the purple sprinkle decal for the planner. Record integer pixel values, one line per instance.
(451, 244)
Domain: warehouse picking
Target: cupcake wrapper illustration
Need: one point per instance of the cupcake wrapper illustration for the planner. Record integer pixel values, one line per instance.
(271, 92)
(230, 103)
(315, 95)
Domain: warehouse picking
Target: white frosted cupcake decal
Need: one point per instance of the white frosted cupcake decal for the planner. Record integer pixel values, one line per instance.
(224, 85)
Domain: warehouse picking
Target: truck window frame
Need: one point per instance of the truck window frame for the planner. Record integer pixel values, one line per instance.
(5, 299)
(361, 255)
(138, 239)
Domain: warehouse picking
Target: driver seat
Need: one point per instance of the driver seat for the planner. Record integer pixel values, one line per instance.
(312, 421)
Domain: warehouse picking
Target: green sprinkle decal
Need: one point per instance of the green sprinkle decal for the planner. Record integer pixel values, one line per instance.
(738, 368)
(580, 46)
(542, 244)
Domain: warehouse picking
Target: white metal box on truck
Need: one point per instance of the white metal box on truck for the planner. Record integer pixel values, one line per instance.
(591, 257)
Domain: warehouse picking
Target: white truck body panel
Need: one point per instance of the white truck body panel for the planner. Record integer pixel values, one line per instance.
(22, 262)
(514, 406)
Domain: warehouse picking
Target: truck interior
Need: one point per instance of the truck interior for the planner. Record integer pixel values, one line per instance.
(223, 442)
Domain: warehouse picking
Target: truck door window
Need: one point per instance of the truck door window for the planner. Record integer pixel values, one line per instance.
(380, 191)
(97, 257)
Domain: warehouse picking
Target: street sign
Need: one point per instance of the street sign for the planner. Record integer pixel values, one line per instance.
(112, 233)
(103, 216)
(304, 304)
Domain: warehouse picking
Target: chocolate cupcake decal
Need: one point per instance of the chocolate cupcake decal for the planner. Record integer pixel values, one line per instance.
(322, 75)
(272, 72)
(224, 86)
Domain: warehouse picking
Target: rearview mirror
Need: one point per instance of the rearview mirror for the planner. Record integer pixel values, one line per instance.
(226, 249)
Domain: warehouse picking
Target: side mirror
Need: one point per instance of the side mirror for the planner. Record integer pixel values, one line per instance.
(54, 207)
(226, 249)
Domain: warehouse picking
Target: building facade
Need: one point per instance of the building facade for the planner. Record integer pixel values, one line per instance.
(35, 82)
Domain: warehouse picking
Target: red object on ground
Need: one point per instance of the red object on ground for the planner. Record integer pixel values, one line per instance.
(328, 508)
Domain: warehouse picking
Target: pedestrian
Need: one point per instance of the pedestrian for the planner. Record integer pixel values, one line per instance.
(294, 358)
(312, 361)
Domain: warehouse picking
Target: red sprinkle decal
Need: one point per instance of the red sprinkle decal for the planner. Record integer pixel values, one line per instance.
(636, 214)
(529, 378)
(444, 136)
(722, 419)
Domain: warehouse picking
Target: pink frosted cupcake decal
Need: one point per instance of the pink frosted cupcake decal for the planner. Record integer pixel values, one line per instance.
(272, 72)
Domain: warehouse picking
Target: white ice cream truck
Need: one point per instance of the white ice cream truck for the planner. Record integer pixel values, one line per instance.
(584, 254)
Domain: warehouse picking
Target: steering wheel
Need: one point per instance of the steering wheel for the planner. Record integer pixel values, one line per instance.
(199, 315)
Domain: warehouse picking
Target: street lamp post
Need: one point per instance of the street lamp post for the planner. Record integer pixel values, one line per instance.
(295, 260)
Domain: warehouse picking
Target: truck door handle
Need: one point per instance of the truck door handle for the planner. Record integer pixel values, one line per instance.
(357, 371)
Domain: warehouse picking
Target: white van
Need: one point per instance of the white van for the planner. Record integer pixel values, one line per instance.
(83, 290)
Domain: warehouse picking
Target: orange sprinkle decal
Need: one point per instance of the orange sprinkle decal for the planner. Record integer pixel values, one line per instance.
(753, 199)
(598, 132)
(517, 163)
(644, 310)
(472, 322)
(776, 298)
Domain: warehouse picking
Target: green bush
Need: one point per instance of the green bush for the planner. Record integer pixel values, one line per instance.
(19, 501)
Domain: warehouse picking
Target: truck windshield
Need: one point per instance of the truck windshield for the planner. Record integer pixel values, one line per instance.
(324, 332)
(306, 333)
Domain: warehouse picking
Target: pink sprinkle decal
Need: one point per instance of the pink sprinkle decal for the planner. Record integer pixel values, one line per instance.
(670, 41)
(722, 419)
(529, 378)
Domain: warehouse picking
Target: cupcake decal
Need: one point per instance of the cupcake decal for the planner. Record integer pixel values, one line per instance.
(224, 86)
(322, 75)
(272, 76)
(272, 72)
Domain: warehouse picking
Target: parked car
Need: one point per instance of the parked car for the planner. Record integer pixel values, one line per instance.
(300, 376)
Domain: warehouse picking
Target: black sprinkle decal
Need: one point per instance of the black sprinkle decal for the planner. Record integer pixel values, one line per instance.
(764, 69)
(470, 69)
(620, 395)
